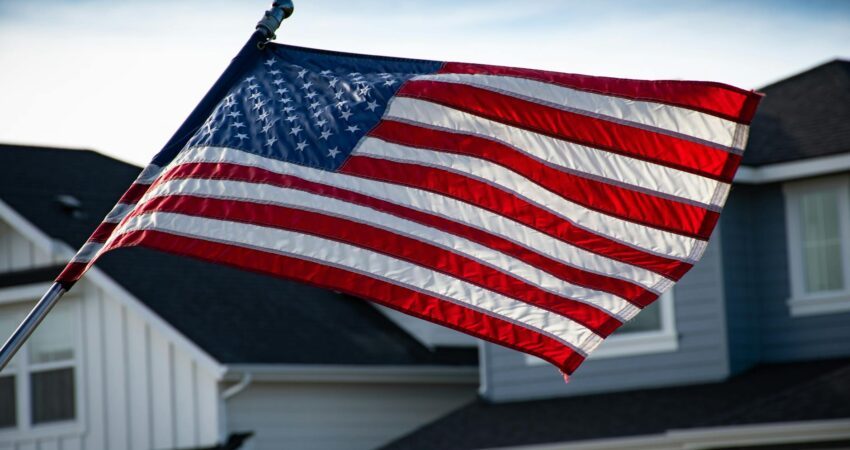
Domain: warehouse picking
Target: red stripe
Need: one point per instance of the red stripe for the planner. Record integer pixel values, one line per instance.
(599, 196)
(589, 131)
(499, 202)
(403, 299)
(102, 232)
(134, 193)
(382, 241)
(632, 292)
(717, 99)
(71, 273)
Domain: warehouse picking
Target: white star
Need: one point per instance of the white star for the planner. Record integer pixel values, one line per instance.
(332, 82)
(211, 130)
(301, 73)
(259, 104)
(270, 62)
(352, 128)
(274, 72)
(307, 85)
(339, 95)
(250, 79)
(364, 90)
(321, 122)
(385, 75)
(317, 113)
(333, 152)
(271, 141)
(325, 135)
(255, 95)
(314, 105)
(345, 114)
(263, 115)
(241, 137)
(372, 106)
(291, 118)
(353, 74)
(301, 146)
(288, 109)
(341, 104)
(310, 95)
(267, 127)
(282, 91)
(237, 125)
(325, 72)
(235, 113)
(278, 82)
(286, 100)
(389, 82)
(295, 130)
(253, 86)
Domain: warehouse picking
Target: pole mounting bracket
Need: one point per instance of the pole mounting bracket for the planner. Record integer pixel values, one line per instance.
(268, 25)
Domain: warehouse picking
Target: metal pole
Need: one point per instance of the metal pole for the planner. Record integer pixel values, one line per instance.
(32, 320)
(266, 27)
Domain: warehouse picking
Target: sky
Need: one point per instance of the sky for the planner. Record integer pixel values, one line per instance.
(119, 77)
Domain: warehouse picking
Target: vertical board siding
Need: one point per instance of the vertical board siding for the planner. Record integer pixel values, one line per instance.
(161, 389)
(701, 355)
(184, 400)
(18, 253)
(138, 393)
(114, 356)
(338, 416)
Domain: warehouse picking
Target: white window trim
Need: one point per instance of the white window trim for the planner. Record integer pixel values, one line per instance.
(801, 303)
(25, 429)
(637, 343)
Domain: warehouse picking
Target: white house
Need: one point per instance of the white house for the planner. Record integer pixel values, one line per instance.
(153, 351)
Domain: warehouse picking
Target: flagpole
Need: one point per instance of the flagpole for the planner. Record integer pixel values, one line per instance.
(265, 32)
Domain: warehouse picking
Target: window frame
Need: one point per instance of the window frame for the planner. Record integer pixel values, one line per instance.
(23, 369)
(663, 340)
(800, 303)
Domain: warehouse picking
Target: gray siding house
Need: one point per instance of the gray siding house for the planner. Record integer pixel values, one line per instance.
(753, 344)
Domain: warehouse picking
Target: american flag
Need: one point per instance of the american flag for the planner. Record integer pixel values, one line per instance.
(537, 210)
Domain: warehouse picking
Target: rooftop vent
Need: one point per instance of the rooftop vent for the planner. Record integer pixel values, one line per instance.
(70, 205)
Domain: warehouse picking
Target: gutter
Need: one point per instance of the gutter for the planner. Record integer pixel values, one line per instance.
(791, 170)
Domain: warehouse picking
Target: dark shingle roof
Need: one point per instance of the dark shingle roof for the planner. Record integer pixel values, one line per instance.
(814, 390)
(236, 316)
(804, 116)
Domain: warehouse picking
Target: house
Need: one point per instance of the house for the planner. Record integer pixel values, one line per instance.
(752, 347)
(155, 351)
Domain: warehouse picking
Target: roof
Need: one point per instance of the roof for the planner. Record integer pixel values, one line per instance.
(804, 116)
(791, 392)
(235, 316)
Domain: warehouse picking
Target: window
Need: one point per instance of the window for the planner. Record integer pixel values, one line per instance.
(818, 232)
(651, 331)
(39, 386)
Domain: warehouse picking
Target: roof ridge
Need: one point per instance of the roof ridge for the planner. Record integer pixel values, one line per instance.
(797, 75)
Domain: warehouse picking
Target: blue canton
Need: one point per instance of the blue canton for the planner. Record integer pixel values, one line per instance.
(306, 107)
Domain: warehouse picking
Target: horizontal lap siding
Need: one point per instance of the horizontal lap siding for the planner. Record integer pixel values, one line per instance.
(701, 355)
(310, 416)
(780, 336)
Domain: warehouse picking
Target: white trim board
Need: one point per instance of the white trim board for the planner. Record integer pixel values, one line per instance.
(715, 437)
(61, 251)
(792, 170)
(332, 373)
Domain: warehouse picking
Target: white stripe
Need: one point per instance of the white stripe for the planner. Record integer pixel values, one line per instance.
(149, 174)
(683, 121)
(87, 252)
(118, 212)
(442, 206)
(570, 156)
(260, 193)
(369, 263)
(637, 235)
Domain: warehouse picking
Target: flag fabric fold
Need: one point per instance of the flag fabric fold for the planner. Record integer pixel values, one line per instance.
(537, 210)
